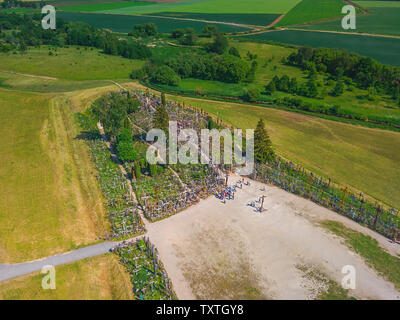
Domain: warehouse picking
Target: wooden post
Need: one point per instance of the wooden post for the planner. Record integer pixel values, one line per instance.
(262, 203)
(344, 195)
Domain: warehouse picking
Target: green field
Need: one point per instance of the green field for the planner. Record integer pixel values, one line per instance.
(71, 63)
(353, 102)
(363, 158)
(246, 19)
(214, 6)
(312, 10)
(105, 6)
(378, 21)
(23, 82)
(378, 4)
(49, 198)
(385, 50)
(98, 278)
(125, 23)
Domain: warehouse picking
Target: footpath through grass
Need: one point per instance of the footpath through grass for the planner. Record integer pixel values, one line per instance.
(368, 248)
(97, 278)
(72, 63)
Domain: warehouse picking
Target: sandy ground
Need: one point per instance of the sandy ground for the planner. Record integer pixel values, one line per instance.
(230, 251)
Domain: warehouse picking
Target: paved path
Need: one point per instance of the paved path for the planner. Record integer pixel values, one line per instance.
(8, 271)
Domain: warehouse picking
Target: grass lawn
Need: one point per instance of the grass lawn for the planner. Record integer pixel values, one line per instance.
(369, 249)
(73, 63)
(49, 196)
(379, 21)
(214, 6)
(98, 278)
(363, 158)
(385, 50)
(312, 10)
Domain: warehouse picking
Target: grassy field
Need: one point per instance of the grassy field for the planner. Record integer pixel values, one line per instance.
(24, 82)
(214, 6)
(125, 23)
(50, 201)
(378, 4)
(105, 6)
(353, 102)
(98, 278)
(363, 158)
(378, 21)
(369, 249)
(385, 50)
(312, 10)
(259, 19)
(71, 63)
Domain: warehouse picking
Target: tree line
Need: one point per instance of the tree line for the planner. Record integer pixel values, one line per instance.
(27, 31)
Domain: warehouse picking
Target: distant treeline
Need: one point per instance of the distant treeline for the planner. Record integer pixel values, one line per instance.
(7, 4)
(364, 71)
(26, 31)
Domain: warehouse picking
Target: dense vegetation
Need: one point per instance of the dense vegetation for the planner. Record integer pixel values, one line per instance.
(27, 31)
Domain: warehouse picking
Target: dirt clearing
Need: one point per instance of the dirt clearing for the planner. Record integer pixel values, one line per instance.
(230, 251)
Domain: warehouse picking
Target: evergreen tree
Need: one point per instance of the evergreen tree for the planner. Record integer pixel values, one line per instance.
(161, 119)
(163, 100)
(339, 89)
(262, 144)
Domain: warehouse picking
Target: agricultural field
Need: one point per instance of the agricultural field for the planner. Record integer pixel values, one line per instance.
(105, 6)
(384, 50)
(215, 6)
(378, 4)
(125, 23)
(253, 19)
(360, 157)
(381, 20)
(312, 10)
(98, 278)
(50, 199)
(72, 63)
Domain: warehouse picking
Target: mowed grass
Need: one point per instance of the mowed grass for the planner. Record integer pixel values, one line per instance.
(312, 10)
(385, 50)
(214, 6)
(125, 23)
(378, 4)
(369, 249)
(378, 21)
(49, 196)
(98, 278)
(363, 158)
(72, 63)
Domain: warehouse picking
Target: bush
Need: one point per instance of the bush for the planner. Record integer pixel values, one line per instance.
(252, 95)
(165, 75)
(126, 152)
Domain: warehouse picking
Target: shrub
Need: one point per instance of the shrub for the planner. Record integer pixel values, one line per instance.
(165, 75)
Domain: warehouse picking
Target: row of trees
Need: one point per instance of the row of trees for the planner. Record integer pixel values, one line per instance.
(27, 31)
(364, 71)
(6, 4)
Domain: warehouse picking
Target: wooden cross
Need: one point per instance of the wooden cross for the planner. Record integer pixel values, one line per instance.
(262, 203)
